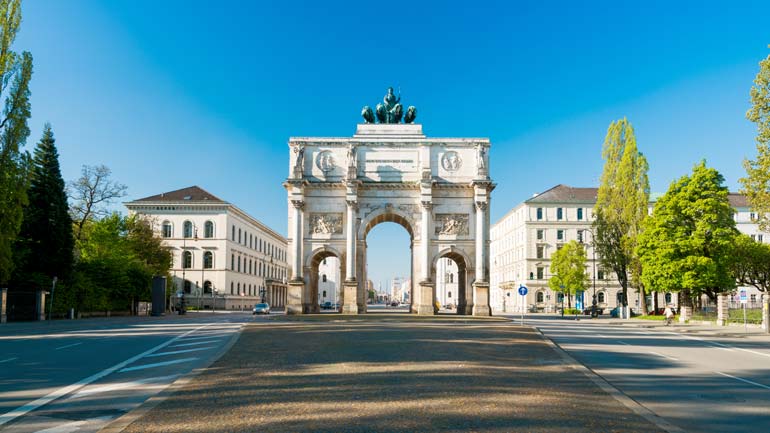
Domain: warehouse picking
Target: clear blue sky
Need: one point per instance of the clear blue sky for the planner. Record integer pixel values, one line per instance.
(175, 93)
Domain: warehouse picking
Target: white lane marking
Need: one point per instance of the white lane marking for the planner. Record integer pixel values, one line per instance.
(10, 416)
(9, 359)
(175, 352)
(720, 345)
(207, 337)
(69, 345)
(743, 380)
(157, 364)
(117, 386)
(197, 343)
(664, 356)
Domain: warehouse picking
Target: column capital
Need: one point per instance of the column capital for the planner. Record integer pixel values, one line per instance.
(426, 205)
(352, 204)
(481, 205)
(298, 204)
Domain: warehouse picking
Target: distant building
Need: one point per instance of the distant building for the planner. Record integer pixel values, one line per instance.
(524, 240)
(447, 280)
(222, 257)
(329, 280)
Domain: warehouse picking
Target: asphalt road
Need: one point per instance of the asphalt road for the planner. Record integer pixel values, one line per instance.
(69, 376)
(696, 378)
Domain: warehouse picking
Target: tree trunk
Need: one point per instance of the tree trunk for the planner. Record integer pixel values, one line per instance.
(655, 302)
(643, 300)
(569, 301)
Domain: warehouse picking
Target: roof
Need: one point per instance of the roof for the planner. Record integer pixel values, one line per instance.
(565, 194)
(738, 200)
(189, 194)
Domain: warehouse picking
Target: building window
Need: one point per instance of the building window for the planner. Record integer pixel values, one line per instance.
(167, 230)
(539, 297)
(239, 263)
(580, 236)
(324, 295)
(208, 260)
(753, 298)
(187, 260)
(239, 289)
(233, 236)
(451, 277)
(560, 298)
(539, 214)
(232, 288)
(668, 298)
(187, 286)
(560, 235)
(232, 261)
(540, 234)
(187, 229)
(208, 229)
(448, 294)
(540, 272)
(601, 298)
(759, 238)
(753, 237)
(323, 279)
(531, 275)
(559, 213)
(600, 274)
(559, 246)
(580, 214)
(207, 287)
(239, 236)
(752, 216)
(540, 251)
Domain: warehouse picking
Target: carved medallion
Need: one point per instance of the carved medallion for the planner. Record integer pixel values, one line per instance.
(452, 224)
(325, 223)
(451, 161)
(325, 161)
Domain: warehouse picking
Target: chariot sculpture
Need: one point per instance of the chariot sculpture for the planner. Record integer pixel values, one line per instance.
(389, 111)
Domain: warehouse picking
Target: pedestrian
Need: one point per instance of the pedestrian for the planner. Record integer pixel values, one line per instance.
(669, 315)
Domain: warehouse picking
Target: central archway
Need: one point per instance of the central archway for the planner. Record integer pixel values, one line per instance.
(388, 215)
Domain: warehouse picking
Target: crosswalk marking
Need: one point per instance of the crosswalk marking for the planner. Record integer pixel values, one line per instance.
(175, 352)
(157, 364)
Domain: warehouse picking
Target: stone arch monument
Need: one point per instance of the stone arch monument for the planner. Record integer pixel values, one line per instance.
(438, 189)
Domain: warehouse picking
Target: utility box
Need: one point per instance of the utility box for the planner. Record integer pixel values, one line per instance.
(158, 296)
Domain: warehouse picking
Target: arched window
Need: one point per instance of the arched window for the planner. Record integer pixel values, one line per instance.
(601, 298)
(187, 260)
(187, 286)
(233, 234)
(208, 229)
(207, 287)
(539, 297)
(239, 289)
(232, 288)
(449, 294)
(323, 278)
(668, 298)
(324, 295)
(239, 236)
(167, 230)
(451, 277)
(239, 264)
(208, 260)
(187, 229)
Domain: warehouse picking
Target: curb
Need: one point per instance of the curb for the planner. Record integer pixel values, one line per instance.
(119, 424)
(617, 394)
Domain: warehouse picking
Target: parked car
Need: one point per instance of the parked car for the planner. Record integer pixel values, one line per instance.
(394, 304)
(327, 305)
(262, 308)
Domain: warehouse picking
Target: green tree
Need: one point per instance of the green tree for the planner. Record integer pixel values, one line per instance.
(756, 184)
(90, 194)
(621, 203)
(16, 71)
(686, 244)
(751, 263)
(45, 244)
(568, 270)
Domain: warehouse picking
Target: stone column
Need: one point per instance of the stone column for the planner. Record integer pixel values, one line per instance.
(422, 301)
(40, 305)
(766, 312)
(3, 305)
(722, 310)
(425, 244)
(480, 286)
(350, 256)
(297, 245)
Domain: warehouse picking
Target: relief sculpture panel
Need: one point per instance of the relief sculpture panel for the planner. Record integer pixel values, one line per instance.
(452, 224)
(325, 223)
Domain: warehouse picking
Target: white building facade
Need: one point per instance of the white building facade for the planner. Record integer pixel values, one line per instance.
(447, 278)
(524, 240)
(222, 257)
(329, 281)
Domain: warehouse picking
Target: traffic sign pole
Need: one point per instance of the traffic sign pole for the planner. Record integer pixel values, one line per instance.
(523, 293)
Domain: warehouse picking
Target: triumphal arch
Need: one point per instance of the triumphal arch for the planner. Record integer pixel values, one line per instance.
(438, 189)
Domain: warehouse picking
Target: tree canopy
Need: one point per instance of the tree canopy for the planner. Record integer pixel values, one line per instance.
(756, 184)
(686, 243)
(621, 203)
(751, 263)
(568, 270)
(15, 75)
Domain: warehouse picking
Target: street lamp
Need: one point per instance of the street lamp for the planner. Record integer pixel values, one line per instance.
(262, 291)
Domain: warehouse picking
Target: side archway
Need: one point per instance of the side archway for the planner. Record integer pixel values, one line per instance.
(464, 265)
(312, 262)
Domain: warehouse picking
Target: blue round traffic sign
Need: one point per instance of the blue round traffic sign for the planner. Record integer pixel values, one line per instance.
(522, 291)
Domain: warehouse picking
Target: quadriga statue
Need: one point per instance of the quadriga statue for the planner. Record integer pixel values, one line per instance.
(389, 111)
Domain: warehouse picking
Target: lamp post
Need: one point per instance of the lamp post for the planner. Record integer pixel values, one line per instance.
(561, 287)
(262, 291)
(214, 293)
